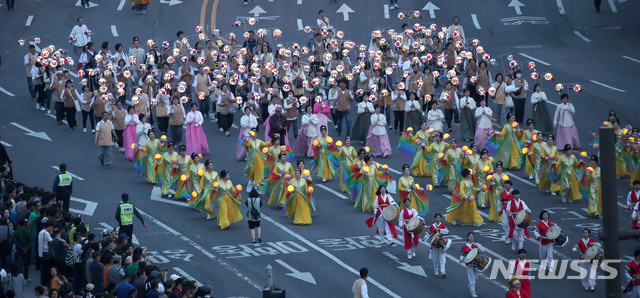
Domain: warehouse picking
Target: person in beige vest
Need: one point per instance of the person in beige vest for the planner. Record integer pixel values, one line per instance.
(359, 288)
(56, 87)
(224, 102)
(176, 120)
(343, 99)
(520, 95)
(118, 115)
(99, 104)
(29, 62)
(202, 83)
(291, 106)
(398, 101)
(86, 102)
(70, 96)
(162, 112)
(499, 98)
(105, 134)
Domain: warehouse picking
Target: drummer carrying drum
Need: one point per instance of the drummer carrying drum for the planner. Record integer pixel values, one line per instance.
(385, 223)
(410, 237)
(519, 219)
(439, 245)
(545, 245)
(589, 250)
(475, 260)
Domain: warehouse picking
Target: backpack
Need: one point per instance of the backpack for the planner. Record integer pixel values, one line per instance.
(69, 258)
(254, 212)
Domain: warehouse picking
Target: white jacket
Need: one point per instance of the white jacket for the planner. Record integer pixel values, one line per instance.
(367, 104)
(379, 122)
(435, 119)
(248, 122)
(537, 97)
(311, 120)
(484, 117)
(564, 115)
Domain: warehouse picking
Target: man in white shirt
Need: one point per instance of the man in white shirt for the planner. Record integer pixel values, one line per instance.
(138, 52)
(44, 255)
(456, 27)
(80, 35)
(359, 288)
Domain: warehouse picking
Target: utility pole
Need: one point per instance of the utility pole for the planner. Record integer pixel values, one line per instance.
(610, 208)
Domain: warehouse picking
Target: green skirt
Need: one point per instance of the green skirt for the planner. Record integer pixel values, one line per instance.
(468, 124)
(414, 118)
(361, 127)
(541, 117)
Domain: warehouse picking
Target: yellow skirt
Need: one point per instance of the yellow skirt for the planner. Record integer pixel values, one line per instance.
(466, 213)
(298, 210)
(228, 212)
(420, 169)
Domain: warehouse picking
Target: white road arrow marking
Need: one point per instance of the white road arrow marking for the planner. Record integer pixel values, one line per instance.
(41, 135)
(6, 144)
(91, 4)
(516, 4)
(70, 174)
(345, 10)
(88, 210)
(417, 270)
(156, 195)
(6, 92)
(304, 276)
(256, 11)
(121, 5)
(432, 9)
(171, 2)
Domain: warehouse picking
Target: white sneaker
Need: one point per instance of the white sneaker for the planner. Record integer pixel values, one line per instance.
(392, 7)
(477, 225)
(324, 180)
(553, 193)
(48, 111)
(570, 201)
(84, 129)
(564, 200)
(413, 253)
(93, 131)
(208, 216)
(474, 295)
(396, 6)
(409, 256)
(227, 133)
(455, 222)
(44, 109)
(221, 129)
(37, 106)
(530, 177)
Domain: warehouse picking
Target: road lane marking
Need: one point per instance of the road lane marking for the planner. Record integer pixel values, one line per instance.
(300, 27)
(339, 195)
(202, 250)
(516, 5)
(6, 144)
(54, 117)
(186, 275)
(560, 6)
(534, 59)
(432, 9)
(29, 20)
(35, 45)
(632, 59)
(299, 2)
(527, 182)
(114, 31)
(474, 17)
(613, 6)
(121, 5)
(156, 195)
(386, 11)
(70, 174)
(345, 10)
(329, 255)
(6, 92)
(582, 36)
(606, 86)
(203, 11)
(88, 210)
(214, 11)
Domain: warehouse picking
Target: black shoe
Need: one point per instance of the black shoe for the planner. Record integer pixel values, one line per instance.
(260, 240)
(254, 241)
(444, 275)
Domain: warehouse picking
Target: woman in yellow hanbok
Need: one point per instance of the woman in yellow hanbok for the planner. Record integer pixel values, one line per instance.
(566, 168)
(323, 165)
(535, 155)
(148, 159)
(272, 157)
(407, 188)
(184, 164)
(529, 140)
(471, 157)
(365, 183)
(548, 157)
(463, 204)
(227, 201)
(348, 157)
(169, 171)
(622, 157)
(595, 195)
(438, 163)
(196, 171)
(210, 183)
(254, 169)
(278, 180)
(454, 164)
(496, 186)
(299, 204)
(634, 156)
(482, 169)
(420, 165)
(506, 145)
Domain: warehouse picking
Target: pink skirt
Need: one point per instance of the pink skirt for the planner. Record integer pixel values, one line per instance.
(241, 152)
(196, 140)
(567, 135)
(379, 145)
(129, 137)
(304, 144)
(322, 120)
(481, 137)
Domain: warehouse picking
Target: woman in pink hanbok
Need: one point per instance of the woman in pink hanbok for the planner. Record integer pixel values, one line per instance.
(563, 120)
(483, 125)
(321, 109)
(377, 138)
(196, 140)
(129, 135)
(308, 133)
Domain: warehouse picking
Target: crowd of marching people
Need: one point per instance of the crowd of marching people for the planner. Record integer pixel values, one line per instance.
(151, 102)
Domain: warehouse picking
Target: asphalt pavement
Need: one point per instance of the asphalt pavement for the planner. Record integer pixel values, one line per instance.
(564, 37)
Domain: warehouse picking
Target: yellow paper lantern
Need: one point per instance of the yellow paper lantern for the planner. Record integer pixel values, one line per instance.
(183, 177)
(514, 124)
(200, 172)
(365, 169)
(290, 188)
(239, 187)
(505, 177)
(194, 194)
(367, 149)
(310, 189)
(583, 153)
(316, 143)
(306, 172)
(429, 187)
(339, 143)
(465, 148)
(486, 169)
(216, 184)
(283, 148)
(158, 156)
(491, 158)
(329, 140)
(133, 146)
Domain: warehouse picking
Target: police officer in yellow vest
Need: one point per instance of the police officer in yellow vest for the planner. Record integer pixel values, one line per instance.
(62, 187)
(124, 216)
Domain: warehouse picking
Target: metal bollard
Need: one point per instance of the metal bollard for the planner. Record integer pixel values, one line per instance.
(269, 277)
